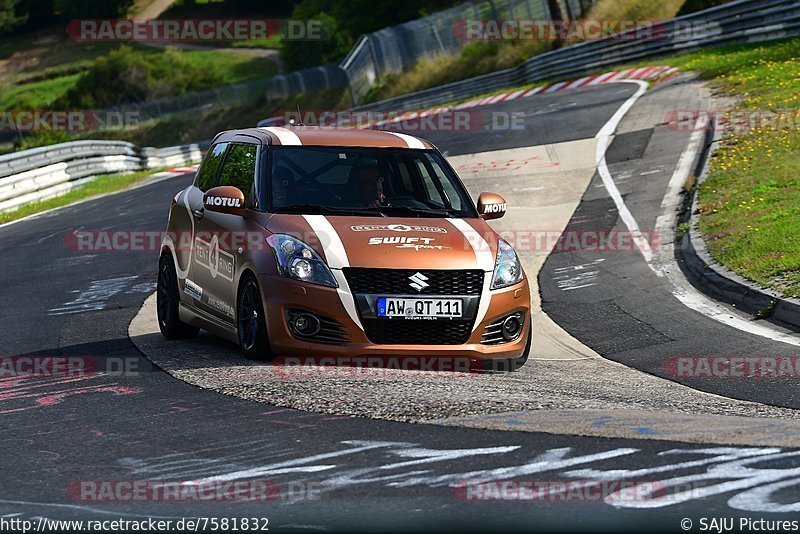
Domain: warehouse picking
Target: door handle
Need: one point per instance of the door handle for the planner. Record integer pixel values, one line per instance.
(200, 213)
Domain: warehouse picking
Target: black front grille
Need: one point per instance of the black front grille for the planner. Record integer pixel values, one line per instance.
(398, 282)
(417, 332)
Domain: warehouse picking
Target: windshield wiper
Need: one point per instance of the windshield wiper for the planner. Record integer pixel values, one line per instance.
(419, 212)
(318, 209)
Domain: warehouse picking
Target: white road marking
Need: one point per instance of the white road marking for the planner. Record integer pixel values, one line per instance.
(603, 137)
(666, 266)
(521, 189)
(577, 276)
(95, 297)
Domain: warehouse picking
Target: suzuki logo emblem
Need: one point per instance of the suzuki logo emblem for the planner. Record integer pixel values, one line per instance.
(418, 281)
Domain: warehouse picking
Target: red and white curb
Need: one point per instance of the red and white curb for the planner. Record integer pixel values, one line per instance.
(641, 73)
(177, 171)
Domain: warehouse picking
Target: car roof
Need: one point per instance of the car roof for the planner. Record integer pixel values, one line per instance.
(317, 136)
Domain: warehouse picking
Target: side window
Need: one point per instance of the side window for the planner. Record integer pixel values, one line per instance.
(207, 177)
(405, 176)
(239, 169)
(452, 198)
(430, 187)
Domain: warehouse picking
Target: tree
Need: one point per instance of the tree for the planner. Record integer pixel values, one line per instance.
(92, 9)
(9, 16)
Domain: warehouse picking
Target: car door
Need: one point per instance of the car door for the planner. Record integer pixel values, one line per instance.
(220, 234)
(186, 249)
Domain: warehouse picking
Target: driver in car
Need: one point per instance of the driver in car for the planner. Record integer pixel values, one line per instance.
(368, 184)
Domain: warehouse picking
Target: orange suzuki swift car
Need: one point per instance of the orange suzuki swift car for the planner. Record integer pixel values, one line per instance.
(326, 242)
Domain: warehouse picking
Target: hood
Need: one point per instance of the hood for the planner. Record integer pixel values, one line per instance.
(393, 242)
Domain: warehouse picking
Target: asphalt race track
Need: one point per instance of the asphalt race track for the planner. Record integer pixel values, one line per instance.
(371, 474)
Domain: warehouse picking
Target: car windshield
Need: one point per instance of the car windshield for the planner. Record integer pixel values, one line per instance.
(362, 181)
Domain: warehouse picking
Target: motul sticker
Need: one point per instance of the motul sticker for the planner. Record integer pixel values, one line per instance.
(494, 208)
(224, 201)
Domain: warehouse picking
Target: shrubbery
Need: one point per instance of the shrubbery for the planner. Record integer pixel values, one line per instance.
(346, 21)
(128, 75)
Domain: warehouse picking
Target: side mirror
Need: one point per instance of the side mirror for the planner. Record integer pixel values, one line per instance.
(224, 199)
(491, 206)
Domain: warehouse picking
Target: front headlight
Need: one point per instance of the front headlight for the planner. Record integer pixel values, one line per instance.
(507, 269)
(299, 261)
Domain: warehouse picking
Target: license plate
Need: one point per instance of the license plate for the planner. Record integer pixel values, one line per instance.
(401, 307)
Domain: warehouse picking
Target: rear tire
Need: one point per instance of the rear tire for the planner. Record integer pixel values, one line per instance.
(251, 325)
(167, 300)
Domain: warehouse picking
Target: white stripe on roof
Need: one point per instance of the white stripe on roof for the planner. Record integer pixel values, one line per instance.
(412, 142)
(284, 135)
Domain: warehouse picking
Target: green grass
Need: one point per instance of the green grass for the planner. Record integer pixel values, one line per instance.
(634, 9)
(101, 185)
(8, 47)
(476, 59)
(36, 95)
(53, 66)
(750, 203)
(272, 42)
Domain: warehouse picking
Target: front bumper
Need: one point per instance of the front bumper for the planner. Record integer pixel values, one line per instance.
(281, 294)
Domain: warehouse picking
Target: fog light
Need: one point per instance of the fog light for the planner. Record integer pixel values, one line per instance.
(512, 326)
(306, 324)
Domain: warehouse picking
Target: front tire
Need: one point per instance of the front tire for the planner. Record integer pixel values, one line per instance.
(251, 325)
(519, 362)
(167, 300)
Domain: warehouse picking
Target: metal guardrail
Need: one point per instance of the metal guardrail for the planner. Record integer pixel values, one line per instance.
(25, 160)
(738, 22)
(399, 47)
(45, 172)
(33, 174)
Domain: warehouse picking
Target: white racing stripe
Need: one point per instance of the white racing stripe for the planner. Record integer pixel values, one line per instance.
(284, 135)
(169, 243)
(336, 256)
(484, 260)
(412, 142)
